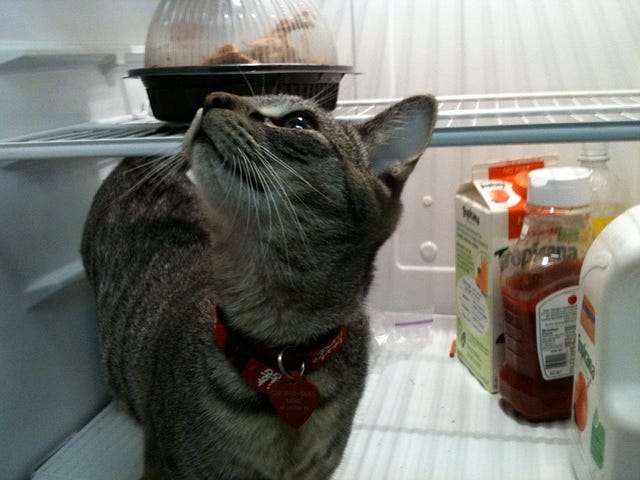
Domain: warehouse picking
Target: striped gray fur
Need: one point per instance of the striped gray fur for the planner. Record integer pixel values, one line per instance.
(279, 229)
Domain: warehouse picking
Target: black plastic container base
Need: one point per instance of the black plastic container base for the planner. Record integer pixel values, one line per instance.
(176, 93)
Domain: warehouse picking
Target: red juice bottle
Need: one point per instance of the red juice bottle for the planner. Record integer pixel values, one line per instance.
(539, 286)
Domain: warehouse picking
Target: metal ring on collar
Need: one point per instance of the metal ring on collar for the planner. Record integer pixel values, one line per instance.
(283, 370)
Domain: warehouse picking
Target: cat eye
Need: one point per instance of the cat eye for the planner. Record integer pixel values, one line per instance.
(298, 120)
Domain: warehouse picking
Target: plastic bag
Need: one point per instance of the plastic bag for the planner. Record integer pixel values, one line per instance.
(402, 331)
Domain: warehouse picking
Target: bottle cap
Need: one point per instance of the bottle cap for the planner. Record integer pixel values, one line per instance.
(562, 187)
(594, 152)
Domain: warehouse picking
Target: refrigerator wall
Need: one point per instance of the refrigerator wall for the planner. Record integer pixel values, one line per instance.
(64, 63)
(475, 47)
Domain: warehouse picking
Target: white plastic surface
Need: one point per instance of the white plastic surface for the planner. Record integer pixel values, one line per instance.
(423, 415)
(110, 447)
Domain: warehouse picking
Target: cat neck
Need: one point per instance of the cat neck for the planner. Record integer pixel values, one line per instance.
(278, 306)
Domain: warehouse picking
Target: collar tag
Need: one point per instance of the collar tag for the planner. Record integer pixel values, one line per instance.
(294, 400)
(292, 396)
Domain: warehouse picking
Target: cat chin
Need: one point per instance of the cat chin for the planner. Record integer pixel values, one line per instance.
(229, 173)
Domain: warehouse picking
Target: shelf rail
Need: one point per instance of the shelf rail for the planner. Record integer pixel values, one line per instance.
(548, 117)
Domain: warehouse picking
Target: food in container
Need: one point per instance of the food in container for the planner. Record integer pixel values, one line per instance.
(244, 47)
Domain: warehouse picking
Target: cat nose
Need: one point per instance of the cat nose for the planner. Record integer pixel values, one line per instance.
(226, 101)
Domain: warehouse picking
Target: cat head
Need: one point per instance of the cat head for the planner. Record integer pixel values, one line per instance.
(299, 187)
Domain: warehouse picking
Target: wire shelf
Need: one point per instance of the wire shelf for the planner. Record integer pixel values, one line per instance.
(552, 117)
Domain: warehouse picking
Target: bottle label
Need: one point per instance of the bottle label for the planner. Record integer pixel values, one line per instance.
(556, 317)
(547, 240)
(590, 433)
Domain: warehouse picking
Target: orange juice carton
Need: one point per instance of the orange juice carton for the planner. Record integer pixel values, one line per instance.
(489, 212)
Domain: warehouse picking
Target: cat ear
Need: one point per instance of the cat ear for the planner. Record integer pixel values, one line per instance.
(398, 136)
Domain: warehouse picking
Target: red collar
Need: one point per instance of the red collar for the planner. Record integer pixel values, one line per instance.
(240, 349)
(278, 372)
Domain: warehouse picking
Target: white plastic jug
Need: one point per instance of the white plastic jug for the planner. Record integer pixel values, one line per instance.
(606, 397)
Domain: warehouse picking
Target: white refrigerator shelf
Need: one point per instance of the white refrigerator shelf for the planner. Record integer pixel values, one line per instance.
(422, 416)
(552, 117)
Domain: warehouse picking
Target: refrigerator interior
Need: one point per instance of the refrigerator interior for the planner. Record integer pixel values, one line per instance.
(69, 114)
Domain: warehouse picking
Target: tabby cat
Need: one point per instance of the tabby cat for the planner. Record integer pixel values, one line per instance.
(230, 282)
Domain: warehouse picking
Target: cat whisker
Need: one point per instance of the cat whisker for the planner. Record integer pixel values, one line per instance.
(283, 193)
(246, 80)
(148, 161)
(243, 168)
(290, 169)
(323, 95)
(277, 187)
(165, 168)
(158, 168)
(234, 161)
(257, 179)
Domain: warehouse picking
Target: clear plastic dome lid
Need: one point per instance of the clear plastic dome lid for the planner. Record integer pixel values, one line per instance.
(231, 32)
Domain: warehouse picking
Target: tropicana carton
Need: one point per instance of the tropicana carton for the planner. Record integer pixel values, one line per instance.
(489, 213)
